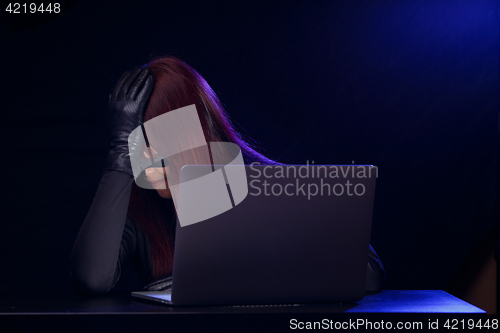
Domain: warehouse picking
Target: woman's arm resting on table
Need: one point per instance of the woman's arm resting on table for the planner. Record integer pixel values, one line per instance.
(375, 275)
(104, 240)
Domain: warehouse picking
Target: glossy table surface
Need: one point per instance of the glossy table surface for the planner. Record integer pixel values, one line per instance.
(120, 311)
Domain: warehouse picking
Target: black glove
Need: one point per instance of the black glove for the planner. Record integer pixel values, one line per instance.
(125, 112)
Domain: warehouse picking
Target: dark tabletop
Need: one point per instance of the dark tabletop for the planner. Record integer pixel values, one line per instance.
(121, 312)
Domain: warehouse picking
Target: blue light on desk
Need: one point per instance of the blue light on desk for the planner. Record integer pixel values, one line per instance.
(414, 301)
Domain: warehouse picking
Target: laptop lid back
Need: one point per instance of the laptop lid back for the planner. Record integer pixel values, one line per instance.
(301, 235)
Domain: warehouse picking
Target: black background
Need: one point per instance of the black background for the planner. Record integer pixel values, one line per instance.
(409, 86)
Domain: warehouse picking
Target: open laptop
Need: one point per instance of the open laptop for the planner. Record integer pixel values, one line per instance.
(301, 235)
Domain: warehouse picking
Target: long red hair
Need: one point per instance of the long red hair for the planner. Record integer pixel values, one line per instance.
(178, 85)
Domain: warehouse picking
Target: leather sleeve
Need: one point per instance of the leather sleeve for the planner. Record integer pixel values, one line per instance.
(107, 237)
(375, 275)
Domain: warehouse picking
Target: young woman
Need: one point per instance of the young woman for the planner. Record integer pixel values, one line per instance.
(127, 223)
